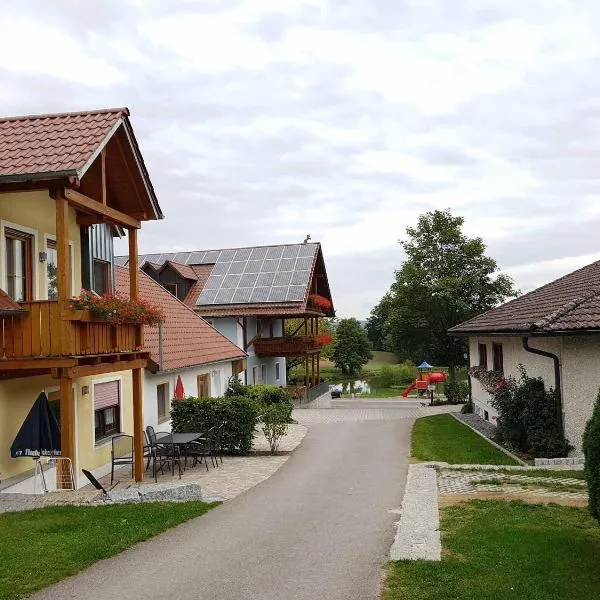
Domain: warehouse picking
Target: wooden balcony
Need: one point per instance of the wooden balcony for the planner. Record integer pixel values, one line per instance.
(286, 346)
(40, 332)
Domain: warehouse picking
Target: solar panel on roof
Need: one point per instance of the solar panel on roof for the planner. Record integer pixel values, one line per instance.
(213, 282)
(220, 269)
(303, 264)
(278, 294)
(265, 279)
(181, 257)
(236, 266)
(286, 264)
(253, 266)
(258, 253)
(295, 293)
(248, 280)
(196, 258)
(300, 278)
(211, 257)
(274, 252)
(291, 251)
(242, 254)
(242, 295)
(230, 281)
(269, 266)
(260, 294)
(207, 297)
(282, 278)
(227, 255)
(224, 296)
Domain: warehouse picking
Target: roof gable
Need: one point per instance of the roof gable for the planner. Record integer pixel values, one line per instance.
(188, 340)
(66, 147)
(570, 303)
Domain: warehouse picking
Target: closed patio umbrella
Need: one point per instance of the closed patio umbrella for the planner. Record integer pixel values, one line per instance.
(40, 433)
(179, 391)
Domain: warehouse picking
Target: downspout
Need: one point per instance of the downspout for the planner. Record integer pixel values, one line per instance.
(160, 346)
(557, 380)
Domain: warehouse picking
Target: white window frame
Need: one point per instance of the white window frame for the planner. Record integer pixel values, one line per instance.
(106, 440)
(254, 374)
(51, 237)
(277, 371)
(35, 292)
(166, 382)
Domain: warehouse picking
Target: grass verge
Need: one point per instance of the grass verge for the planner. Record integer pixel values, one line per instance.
(41, 547)
(443, 438)
(509, 550)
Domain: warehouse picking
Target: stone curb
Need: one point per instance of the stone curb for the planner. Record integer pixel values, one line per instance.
(522, 469)
(521, 462)
(545, 462)
(418, 534)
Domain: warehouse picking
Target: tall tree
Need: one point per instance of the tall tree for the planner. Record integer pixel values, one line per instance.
(352, 348)
(445, 280)
(377, 324)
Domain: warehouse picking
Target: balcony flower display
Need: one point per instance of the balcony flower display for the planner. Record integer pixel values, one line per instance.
(323, 339)
(319, 302)
(117, 310)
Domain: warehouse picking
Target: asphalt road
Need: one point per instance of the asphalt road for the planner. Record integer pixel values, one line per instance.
(320, 528)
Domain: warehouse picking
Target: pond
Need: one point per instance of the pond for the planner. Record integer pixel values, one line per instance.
(361, 387)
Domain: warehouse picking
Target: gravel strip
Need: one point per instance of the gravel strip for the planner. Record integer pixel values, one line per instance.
(418, 535)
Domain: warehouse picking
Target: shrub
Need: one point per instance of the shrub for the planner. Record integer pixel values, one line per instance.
(235, 387)
(591, 450)
(274, 424)
(456, 391)
(396, 375)
(467, 408)
(238, 413)
(267, 395)
(527, 416)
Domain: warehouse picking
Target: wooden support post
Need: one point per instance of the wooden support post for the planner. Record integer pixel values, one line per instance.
(67, 431)
(306, 375)
(134, 285)
(63, 275)
(318, 367)
(103, 165)
(138, 425)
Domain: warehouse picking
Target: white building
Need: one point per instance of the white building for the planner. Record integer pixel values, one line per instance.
(554, 332)
(184, 346)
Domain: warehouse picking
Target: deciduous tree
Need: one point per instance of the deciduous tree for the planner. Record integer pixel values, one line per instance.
(352, 348)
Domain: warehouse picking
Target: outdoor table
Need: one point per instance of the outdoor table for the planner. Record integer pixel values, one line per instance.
(181, 440)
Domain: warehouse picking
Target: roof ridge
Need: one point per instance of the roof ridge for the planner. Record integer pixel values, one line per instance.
(81, 113)
(564, 309)
(141, 254)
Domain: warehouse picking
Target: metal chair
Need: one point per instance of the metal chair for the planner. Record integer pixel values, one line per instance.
(165, 452)
(216, 443)
(121, 453)
(201, 449)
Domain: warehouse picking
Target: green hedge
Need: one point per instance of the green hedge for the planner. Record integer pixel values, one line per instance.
(269, 395)
(238, 413)
(591, 450)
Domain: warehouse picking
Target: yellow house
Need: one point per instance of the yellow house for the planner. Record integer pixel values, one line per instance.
(69, 183)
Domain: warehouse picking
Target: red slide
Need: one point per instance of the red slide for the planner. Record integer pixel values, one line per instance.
(409, 389)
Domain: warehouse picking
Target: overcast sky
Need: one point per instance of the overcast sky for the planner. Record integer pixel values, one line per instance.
(263, 120)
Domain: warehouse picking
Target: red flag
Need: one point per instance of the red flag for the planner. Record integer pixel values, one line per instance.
(179, 391)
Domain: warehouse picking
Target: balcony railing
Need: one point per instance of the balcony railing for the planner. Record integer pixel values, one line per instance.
(40, 332)
(290, 346)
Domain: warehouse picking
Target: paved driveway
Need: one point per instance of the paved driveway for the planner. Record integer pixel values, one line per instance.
(320, 528)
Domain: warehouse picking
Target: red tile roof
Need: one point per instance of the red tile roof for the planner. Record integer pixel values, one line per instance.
(202, 273)
(184, 270)
(188, 340)
(7, 304)
(571, 303)
(50, 144)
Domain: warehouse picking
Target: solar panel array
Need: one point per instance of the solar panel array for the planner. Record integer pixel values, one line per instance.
(249, 275)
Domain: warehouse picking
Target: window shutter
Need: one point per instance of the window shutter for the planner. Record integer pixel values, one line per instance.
(106, 394)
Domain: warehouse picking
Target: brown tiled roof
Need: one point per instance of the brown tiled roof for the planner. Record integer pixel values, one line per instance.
(51, 144)
(7, 304)
(184, 270)
(188, 340)
(202, 273)
(570, 303)
(255, 310)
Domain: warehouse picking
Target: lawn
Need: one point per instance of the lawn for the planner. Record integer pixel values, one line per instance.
(443, 438)
(40, 547)
(509, 550)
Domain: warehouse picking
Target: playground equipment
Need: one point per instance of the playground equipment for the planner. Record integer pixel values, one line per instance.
(427, 380)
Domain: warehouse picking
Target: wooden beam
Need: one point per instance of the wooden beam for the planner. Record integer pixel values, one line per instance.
(134, 288)
(67, 425)
(63, 267)
(138, 425)
(26, 364)
(87, 220)
(113, 367)
(89, 205)
(103, 173)
(125, 162)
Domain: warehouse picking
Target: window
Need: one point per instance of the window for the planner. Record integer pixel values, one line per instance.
(171, 287)
(203, 386)
(162, 402)
(271, 332)
(498, 357)
(277, 374)
(107, 409)
(237, 366)
(263, 373)
(101, 277)
(19, 266)
(254, 375)
(483, 356)
(51, 270)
